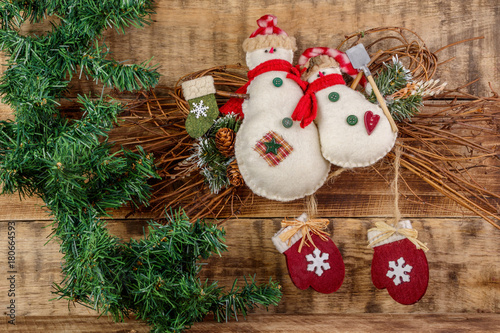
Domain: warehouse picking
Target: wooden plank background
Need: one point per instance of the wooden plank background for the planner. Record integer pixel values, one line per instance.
(189, 35)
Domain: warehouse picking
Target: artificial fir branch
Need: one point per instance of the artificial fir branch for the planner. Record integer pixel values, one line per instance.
(70, 165)
(392, 78)
(157, 277)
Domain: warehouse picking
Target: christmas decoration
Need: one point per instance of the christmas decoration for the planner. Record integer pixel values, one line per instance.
(312, 258)
(399, 262)
(71, 165)
(271, 150)
(353, 132)
(203, 108)
(234, 174)
(224, 141)
(438, 162)
(213, 152)
(168, 293)
(360, 59)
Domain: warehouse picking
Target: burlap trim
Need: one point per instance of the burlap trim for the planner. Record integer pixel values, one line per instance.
(316, 63)
(198, 87)
(263, 41)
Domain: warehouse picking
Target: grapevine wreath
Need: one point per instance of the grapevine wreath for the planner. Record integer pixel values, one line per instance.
(205, 176)
(81, 175)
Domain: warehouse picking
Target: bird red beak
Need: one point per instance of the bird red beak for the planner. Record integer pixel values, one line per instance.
(272, 50)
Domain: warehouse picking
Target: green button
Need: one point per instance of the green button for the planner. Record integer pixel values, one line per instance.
(352, 120)
(277, 82)
(334, 96)
(287, 122)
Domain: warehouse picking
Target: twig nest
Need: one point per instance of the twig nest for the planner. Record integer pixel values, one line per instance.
(224, 141)
(234, 175)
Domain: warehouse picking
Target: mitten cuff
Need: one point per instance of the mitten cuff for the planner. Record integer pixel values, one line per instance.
(282, 246)
(198, 87)
(373, 234)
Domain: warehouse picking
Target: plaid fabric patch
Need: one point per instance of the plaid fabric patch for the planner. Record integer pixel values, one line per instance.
(273, 148)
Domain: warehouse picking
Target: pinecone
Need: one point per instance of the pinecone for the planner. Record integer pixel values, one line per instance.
(224, 141)
(234, 175)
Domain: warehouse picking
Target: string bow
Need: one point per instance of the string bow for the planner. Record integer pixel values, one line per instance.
(315, 226)
(386, 231)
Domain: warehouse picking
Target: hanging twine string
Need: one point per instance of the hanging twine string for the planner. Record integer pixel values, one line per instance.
(311, 205)
(384, 231)
(315, 226)
(395, 183)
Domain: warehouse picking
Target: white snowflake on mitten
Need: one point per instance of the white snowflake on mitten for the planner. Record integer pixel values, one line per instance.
(318, 265)
(199, 109)
(399, 271)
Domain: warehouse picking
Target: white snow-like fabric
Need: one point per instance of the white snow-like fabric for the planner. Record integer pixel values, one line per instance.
(304, 170)
(257, 57)
(405, 224)
(198, 87)
(283, 246)
(350, 146)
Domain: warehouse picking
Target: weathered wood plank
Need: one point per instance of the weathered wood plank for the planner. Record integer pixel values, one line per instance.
(210, 33)
(463, 261)
(33, 208)
(278, 323)
(358, 323)
(358, 193)
(82, 324)
(189, 35)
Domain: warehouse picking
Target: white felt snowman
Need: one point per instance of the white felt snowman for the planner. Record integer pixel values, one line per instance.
(277, 158)
(353, 132)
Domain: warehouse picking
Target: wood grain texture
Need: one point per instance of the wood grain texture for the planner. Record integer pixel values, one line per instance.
(209, 33)
(15, 209)
(189, 35)
(463, 264)
(477, 323)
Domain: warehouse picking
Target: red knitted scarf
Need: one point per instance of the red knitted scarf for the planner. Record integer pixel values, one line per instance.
(307, 107)
(234, 104)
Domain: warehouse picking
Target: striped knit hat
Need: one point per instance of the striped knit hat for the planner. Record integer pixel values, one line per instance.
(327, 58)
(268, 35)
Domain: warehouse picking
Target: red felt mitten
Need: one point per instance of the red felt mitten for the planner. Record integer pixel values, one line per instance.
(319, 266)
(398, 264)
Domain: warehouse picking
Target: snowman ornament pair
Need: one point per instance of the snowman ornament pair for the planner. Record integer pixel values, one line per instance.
(296, 123)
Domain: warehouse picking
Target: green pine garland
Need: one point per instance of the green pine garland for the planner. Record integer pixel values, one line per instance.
(392, 78)
(70, 165)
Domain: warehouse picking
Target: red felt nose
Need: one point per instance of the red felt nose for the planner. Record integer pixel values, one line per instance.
(272, 50)
(371, 121)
